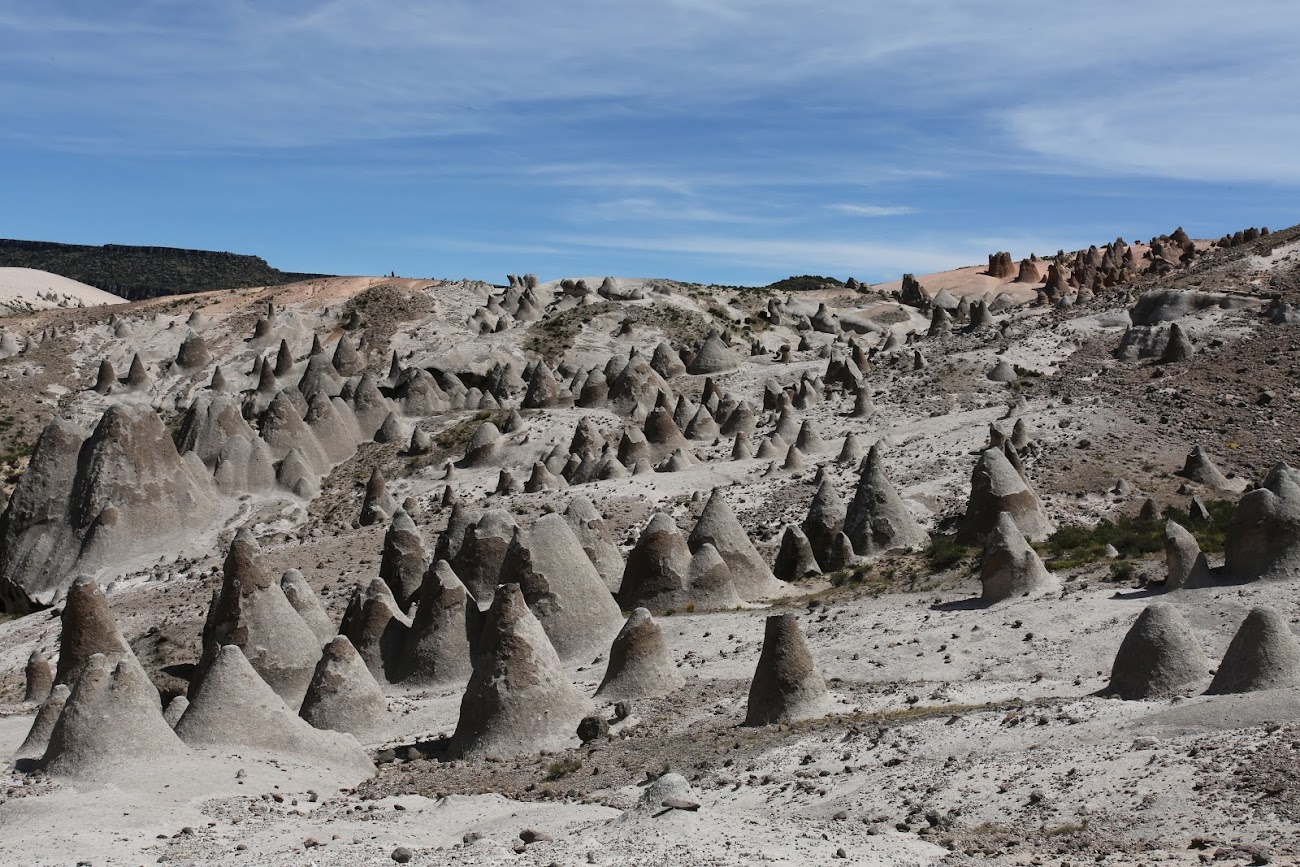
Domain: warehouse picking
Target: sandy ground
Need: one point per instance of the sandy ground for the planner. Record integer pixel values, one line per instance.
(27, 289)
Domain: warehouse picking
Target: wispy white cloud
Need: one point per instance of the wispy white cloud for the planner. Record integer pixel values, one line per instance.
(872, 210)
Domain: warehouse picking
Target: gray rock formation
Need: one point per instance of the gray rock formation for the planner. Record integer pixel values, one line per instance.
(445, 627)
(787, 686)
(39, 678)
(795, 559)
(252, 612)
(1263, 538)
(713, 356)
(1159, 657)
(709, 582)
(657, 569)
(404, 559)
(235, 709)
(112, 721)
(518, 699)
(562, 588)
(718, 525)
(593, 533)
(38, 736)
(82, 506)
(1200, 468)
(997, 487)
(378, 505)
(375, 625)
(87, 627)
(639, 663)
(1011, 567)
(1185, 565)
(482, 551)
(1264, 654)
(343, 695)
(825, 521)
(308, 605)
(876, 519)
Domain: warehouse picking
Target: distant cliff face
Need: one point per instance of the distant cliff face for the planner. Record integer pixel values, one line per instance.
(135, 273)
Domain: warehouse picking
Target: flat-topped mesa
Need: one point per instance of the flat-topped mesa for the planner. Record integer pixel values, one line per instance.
(446, 624)
(639, 663)
(404, 559)
(518, 700)
(562, 588)
(713, 356)
(251, 611)
(235, 708)
(1264, 654)
(343, 695)
(1010, 567)
(375, 625)
(997, 487)
(1199, 467)
(718, 525)
(111, 722)
(657, 571)
(1185, 565)
(1263, 537)
(87, 627)
(38, 678)
(1159, 657)
(378, 505)
(787, 686)
(876, 519)
(308, 605)
(593, 533)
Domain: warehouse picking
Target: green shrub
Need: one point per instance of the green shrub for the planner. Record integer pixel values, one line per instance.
(944, 552)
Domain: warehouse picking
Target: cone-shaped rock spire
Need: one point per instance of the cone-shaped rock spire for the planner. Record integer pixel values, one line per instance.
(876, 520)
(518, 699)
(639, 663)
(343, 695)
(1158, 658)
(1010, 566)
(1264, 654)
(787, 686)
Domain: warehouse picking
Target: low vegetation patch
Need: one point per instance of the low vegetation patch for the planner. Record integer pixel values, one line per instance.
(1132, 536)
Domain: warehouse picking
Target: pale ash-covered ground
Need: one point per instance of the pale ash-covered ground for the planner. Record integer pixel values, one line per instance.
(962, 735)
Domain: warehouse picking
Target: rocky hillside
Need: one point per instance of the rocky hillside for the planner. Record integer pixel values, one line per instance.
(136, 273)
(999, 565)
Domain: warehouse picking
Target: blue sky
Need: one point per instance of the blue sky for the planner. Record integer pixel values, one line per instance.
(707, 140)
